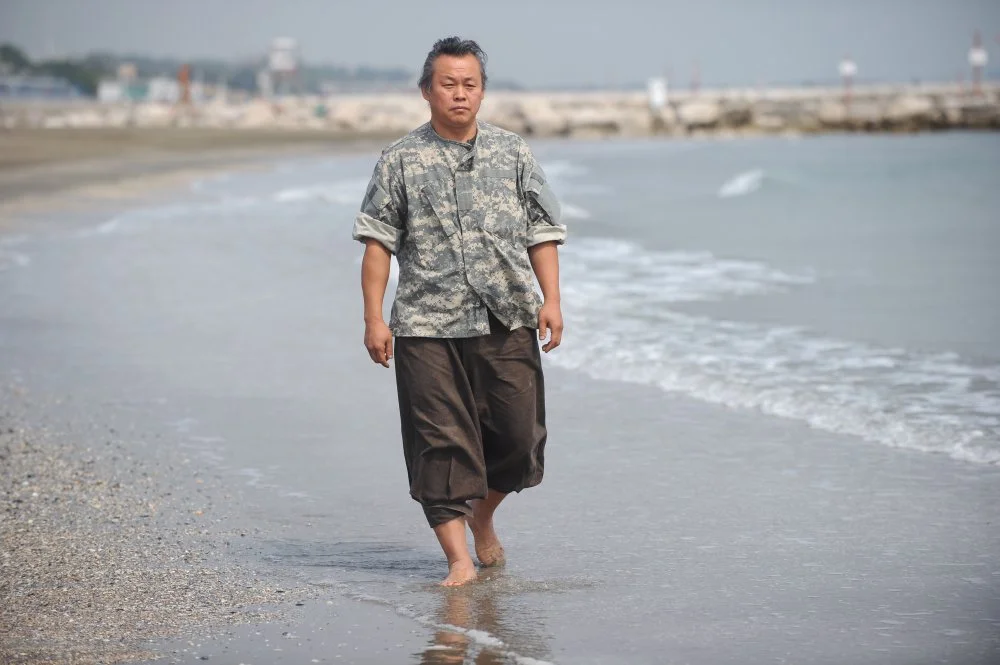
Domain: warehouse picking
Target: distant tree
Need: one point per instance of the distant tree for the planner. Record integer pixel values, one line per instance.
(14, 57)
(81, 77)
(80, 74)
(85, 72)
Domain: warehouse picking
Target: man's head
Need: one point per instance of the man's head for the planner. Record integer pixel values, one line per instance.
(453, 82)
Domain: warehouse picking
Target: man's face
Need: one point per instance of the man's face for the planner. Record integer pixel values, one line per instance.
(456, 90)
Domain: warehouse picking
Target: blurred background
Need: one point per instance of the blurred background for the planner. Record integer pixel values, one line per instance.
(584, 68)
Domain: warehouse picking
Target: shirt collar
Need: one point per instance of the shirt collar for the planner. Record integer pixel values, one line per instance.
(470, 144)
(467, 162)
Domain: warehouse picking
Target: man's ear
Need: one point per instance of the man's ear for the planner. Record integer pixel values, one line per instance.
(425, 94)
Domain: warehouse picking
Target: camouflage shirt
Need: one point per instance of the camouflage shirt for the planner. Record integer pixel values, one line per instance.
(460, 217)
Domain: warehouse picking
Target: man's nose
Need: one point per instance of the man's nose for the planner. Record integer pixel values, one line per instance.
(460, 92)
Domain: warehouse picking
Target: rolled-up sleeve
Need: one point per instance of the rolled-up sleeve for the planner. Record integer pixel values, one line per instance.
(382, 211)
(540, 202)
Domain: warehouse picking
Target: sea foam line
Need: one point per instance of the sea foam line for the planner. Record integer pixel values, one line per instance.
(348, 192)
(619, 298)
(17, 259)
(742, 184)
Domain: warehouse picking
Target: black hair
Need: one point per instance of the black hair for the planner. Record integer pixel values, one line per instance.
(455, 46)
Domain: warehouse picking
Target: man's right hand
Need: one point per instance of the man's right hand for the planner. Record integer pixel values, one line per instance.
(378, 341)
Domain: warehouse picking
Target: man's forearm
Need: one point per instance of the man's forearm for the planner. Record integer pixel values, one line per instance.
(374, 278)
(545, 262)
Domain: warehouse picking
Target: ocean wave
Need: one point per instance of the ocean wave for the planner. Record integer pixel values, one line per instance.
(562, 168)
(9, 259)
(343, 192)
(347, 192)
(617, 295)
(742, 184)
(135, 220)
(616, 269)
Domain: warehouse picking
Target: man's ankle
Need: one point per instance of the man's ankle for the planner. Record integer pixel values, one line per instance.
(460, 559)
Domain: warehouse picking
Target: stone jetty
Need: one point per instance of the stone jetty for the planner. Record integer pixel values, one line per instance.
(873, 108)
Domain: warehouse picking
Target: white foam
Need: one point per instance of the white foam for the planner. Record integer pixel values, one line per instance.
(570, 211)
(15, 259)
(567, 179)
(132, 221)
(255, 476)
(563, 169)
(342, 192)
(12, 240)
(183, 425)
(293, 195)
(109, 226)
(208, 439)
(618, 297)
(742, 184)
(617, 268)
(201, 184)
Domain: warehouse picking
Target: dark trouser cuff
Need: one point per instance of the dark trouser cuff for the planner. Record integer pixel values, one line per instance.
(440, 513)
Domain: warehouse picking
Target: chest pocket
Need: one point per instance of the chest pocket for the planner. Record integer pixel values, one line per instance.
(441, 206)
(498, 204)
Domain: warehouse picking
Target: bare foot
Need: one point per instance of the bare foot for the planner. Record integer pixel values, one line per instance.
(489, 551)
(460, 572)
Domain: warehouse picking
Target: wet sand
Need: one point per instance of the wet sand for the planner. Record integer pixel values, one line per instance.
(24, 147)
(45, 169)
(102, 550)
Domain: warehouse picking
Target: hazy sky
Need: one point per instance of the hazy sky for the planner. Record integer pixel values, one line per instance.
(540, 42)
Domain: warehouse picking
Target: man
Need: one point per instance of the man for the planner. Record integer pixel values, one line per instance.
(469, 215)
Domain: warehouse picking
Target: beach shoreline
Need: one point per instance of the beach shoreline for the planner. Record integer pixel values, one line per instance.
(70, 169)
(106, 550)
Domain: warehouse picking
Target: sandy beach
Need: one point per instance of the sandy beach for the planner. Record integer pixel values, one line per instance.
(45, 169)
(201, 464)
(103, 551)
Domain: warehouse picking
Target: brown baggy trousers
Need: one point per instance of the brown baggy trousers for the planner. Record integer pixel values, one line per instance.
(472, 414)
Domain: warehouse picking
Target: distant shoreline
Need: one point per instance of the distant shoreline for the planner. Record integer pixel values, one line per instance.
(24, 147)
(609, 114)
(71, 148)
(41, 169)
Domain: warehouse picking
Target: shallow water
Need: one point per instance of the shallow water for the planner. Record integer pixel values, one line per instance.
(774, 420)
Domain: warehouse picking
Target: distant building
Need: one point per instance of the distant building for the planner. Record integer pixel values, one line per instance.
(163, 89)
(110, 91)
(282, 68)
(37, 87)
(656, 90)
(283, 57)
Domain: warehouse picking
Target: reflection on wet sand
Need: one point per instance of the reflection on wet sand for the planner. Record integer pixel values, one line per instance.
(460, 609)
(472, 629)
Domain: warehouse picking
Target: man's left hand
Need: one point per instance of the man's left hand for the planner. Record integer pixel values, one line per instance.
(550, 320)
